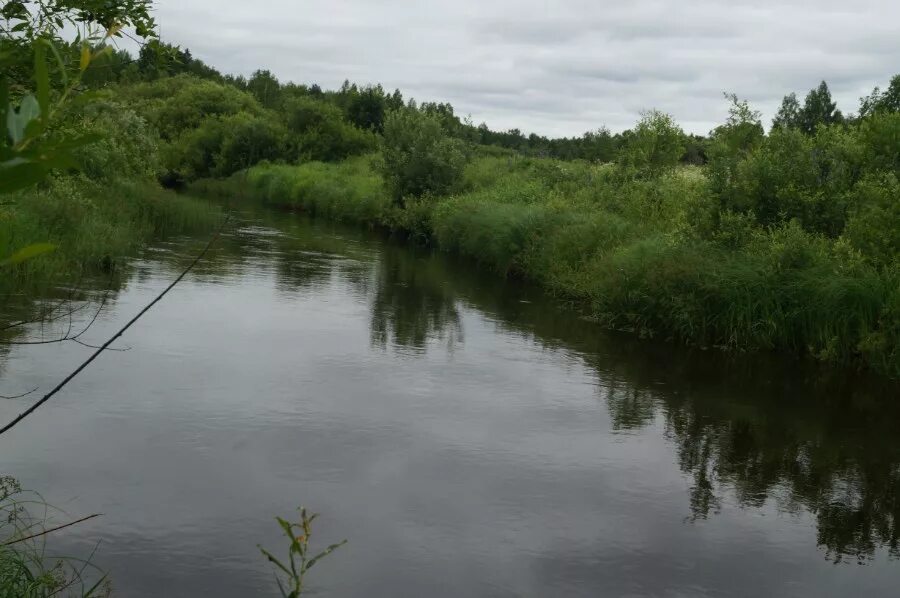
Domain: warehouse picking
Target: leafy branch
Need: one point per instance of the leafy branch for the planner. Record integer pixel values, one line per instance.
(299, 559)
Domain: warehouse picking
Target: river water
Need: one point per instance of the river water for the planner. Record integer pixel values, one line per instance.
(468, 436)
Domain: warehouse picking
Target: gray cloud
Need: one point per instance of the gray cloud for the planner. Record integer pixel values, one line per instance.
(557, 67)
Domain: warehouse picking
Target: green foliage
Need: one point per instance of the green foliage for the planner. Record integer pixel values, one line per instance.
(882, 101)
(419, 157)
(791, 175)
(367, 108)
(874, 224)
(177, 104)
(248, 140)
(319, 131)
(654, 148)
(126, 148)
(30, 19)
(265, 87)
(729, 145)
(25, 571)
(350, 191)
(790, 114)
(819, 109)
(300, 559)
(880, 136)
(157, 60)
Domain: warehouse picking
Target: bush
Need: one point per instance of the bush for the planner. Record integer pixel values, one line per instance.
(874, 224)
(221, 146)
(176, 104)
(791, 175)
(128, 147)
(321, 133)
(655, 146)
(419, 157)
(880, 136)
(249, 140)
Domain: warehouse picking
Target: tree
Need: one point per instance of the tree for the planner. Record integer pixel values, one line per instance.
(319, 131)
(819, 109)
(655, 147)
(730, 143)
(878, 101)
(597, 146)
(265, 86)
(789, 115)
(419, 157)
(366, 109)
(395, 100)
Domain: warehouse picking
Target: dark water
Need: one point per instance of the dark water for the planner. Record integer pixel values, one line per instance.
(469, 437)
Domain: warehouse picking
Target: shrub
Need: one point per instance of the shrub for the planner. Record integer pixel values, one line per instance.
(655, 146)
(791, 175)
(419, 157)
(321, 133)
(874, 224)
(249, 140)
(880, 136)
(176, 104)
(221, 146)
(127, 148)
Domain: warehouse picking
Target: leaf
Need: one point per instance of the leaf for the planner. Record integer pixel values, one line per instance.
(274, 560)
(85, 57)
(324, 553)
(286, 526)
(42, 80)
(60, 63)
(26, 253)
(94, 588)
(19, 174)
(4, 105)
(284, 593)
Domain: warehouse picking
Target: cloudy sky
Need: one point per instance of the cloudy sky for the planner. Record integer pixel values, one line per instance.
(556, 67)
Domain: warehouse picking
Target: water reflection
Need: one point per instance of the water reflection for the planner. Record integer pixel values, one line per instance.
(757, 429)
(412, 302)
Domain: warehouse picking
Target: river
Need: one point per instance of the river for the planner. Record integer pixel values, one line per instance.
(469, 437)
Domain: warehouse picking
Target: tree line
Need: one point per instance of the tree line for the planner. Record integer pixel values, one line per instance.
(366, 106)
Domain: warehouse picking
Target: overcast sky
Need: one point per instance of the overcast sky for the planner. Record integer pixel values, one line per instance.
(556, 67)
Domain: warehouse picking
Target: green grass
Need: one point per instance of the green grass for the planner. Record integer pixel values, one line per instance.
(656, 257)
(25, 569)
(92, 226)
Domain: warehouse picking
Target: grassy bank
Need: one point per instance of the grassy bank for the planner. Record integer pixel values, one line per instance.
(92, 226)
(656, 257)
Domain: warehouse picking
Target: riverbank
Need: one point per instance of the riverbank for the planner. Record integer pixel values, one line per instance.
(654, 257)
(92, 227)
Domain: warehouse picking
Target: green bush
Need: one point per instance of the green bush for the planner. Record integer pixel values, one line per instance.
(350, 191)
(791, 175)
(655, 146)
(176, 104)
(880, 136)
(128, 147)
(418, 156)
(249, 140)
(319, 131)
(874, 224)
(222, 145)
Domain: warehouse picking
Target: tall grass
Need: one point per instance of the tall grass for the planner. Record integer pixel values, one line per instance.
(26, 571)
(91, 225)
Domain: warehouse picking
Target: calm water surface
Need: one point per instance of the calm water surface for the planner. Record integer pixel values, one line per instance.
(469, 437)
